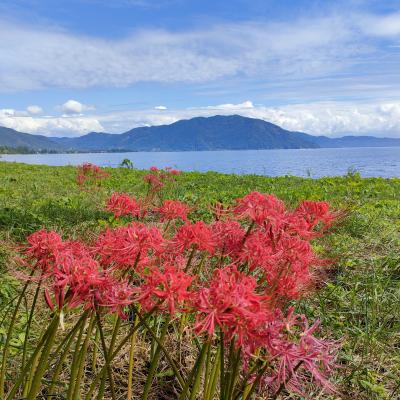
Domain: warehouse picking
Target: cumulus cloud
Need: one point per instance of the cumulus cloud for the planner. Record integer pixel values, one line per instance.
(72, 107)
(48, 126)
(319, 118)
(34, 109)
(241, 106)
(160, 108)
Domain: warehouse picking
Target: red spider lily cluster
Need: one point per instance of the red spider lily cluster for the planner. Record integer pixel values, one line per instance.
(158, 178)
(121, 204)
(229, 287)
(89, 174)
(73, 277)
(234, 278)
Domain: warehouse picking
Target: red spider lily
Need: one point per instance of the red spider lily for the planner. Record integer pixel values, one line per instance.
(170, 257)
(158, 178)
(285, 262)
(121, 204)
(220, 211)
(127, 246)
(154, 181)
(293, 273)
(43, 246)
(78, 281)
(167, 289)
(260, 208)
(316, 213)
(172, 171)
(197, 235)
(231, 303)
(295, 350)
(173, 209)
(259, 251)
(69, 270)
(228, 237)
(116, 297)
(88, 172)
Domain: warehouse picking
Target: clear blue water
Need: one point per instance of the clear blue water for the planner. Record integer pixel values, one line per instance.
(368, 161)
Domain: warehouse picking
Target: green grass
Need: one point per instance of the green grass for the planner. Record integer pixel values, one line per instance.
(359, 303)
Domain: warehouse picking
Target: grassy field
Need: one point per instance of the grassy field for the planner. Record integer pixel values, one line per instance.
(359, 303)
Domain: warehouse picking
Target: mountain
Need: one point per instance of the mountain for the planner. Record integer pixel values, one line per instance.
(11, 138)
(213, 133)
(232, 132)
(355, 141)
(96, 141)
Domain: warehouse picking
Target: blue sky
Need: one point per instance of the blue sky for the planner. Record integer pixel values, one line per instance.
(323, 67)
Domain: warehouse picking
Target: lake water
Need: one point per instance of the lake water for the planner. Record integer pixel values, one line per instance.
(368, 161)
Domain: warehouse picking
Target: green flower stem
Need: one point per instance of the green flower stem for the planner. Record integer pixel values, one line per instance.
(115, 353)
(154, 361)
(228, 374)
(131, 361)
(61, 360)
(29, 376)
(72, 332)
(106, 356)
(117, 324)
(199, 370)
(189, 261)
(29, 323)
(194, 372)
(245, 387)
(256, 382)
(75, 360)
(234, 374)
(247, 234)
(82, 358)
(29, 365)
(207, 371)
(94, 353)
(166, 353)
(213, 380)
(43, 361)
(222, 367)
(9, 336)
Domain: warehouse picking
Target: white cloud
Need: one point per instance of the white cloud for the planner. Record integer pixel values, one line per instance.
(319, 118)
(34, 109)
(7, 112)
(73, 107)
(382, 25)
(160, 108)
(241, 106)
(34, 58)
(48, 126)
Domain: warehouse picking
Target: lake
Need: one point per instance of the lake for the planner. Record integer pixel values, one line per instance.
(368, 161)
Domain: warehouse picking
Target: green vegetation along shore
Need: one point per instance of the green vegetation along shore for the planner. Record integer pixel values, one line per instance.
(359, 303)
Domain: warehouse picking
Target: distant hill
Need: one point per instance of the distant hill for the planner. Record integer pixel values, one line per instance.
(355, 141)
(95, 141)
(232, 132)
(213, 133)
(14, 139)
